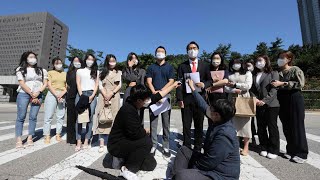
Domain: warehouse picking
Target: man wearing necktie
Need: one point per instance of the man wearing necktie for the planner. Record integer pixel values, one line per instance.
(189, 109)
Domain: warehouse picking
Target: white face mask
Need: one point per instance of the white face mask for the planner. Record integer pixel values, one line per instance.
(32, 61)
(89, 63)
(236, 66)
(193, 53)
(260, 64)
(112, 64)
(147, 103)
(160, 55)
(58, 67)
(77, 65)
(281, 62)
(250, 68)
(216, 62)
(136, 62)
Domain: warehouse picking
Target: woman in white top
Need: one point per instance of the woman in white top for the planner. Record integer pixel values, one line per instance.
(87, 85)
(240, 82)
(32, 82)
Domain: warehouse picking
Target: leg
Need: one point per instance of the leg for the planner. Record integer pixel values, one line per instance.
(149, 163)
(153, 128)
(140, 150)
(50, 105)
(89, 125)
(274, 138)
(71, 120)
(262, 128)
(198, 118)
(186, 113)
(78, 127)
(34, 110)
(60, 113)
(166, 129)
(190, 174)
(299, 134)
(22, 106)
(182, 159)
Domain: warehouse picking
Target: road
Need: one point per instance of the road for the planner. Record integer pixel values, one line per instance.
(58, 160)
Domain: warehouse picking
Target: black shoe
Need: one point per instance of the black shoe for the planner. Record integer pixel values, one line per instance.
(166, 154)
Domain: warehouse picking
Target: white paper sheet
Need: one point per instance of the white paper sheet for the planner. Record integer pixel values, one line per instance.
(159, 108)
(195, 77)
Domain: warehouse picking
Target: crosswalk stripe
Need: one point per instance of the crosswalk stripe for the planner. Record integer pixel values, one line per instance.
(25, 132)
(13, 154)
(313, 158)
(11, 126)
(251, 169)
(5, 122)
(66, 169)
(313, 137)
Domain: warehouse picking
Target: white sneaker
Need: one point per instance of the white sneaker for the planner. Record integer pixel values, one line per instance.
(272, 156)
(127, 174)
(263, 153)
(287, 156)
(101, 149)
(298, 160)
(153, 150)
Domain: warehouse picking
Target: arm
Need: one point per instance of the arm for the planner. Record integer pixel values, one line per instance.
(24, 87)
(171, 78)
(220, 83)
(95, 89)
(79, 84)
(199, 99)
(219, 150)
(272, 93)
(143, 76)
(179, 89)
(299, 84)
(247, 84)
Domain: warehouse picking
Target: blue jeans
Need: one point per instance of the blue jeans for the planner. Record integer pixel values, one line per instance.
(51, 106)
(91, 111)
(23, 100)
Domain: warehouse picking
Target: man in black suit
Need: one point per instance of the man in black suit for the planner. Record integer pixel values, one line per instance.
(189, 109)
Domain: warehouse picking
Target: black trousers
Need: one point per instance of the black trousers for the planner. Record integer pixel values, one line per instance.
(180, 169)
(292, 114)
(267, 122)
(189, 112)
(136, 154)
(71, 121)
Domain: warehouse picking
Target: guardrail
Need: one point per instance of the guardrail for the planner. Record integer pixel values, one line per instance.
(311, 99)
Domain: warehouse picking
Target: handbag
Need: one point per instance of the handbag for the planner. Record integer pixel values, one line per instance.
(105, 115)
(83, 117)
(245, 106)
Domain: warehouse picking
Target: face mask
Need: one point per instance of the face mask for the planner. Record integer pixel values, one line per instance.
(58, 67)
(281, 62)
(89, 63)
(147, 103)
(77, 65)
(260, 64)
(32, 61)
(193, 53)
(160, 55)
(236, 66)
(136, 62)
(216, 62)
(112, 64)
(250, 68)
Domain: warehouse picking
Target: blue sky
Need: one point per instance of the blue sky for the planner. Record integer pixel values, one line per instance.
(122, 26)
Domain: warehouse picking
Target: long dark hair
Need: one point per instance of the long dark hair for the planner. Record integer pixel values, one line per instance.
(222, 66)
(267, 68)
(241, 70)
(94, 67)
(129, 58)
(106, 66)
(24, 64)
(54, 61)
(71, 66)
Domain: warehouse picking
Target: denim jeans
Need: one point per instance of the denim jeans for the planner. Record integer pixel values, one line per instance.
(23, 100)
(52, 106)
(91, 111)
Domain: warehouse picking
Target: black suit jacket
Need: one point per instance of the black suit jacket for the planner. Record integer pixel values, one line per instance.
(205, 77)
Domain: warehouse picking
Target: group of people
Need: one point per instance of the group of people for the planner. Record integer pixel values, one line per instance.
(89, 94)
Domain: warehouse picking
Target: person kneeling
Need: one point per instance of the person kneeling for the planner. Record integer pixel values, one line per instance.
(221, 158)
(128, 139)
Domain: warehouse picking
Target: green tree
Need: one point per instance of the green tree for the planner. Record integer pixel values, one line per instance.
(275, 49)
(224, 50)
(261, 49)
